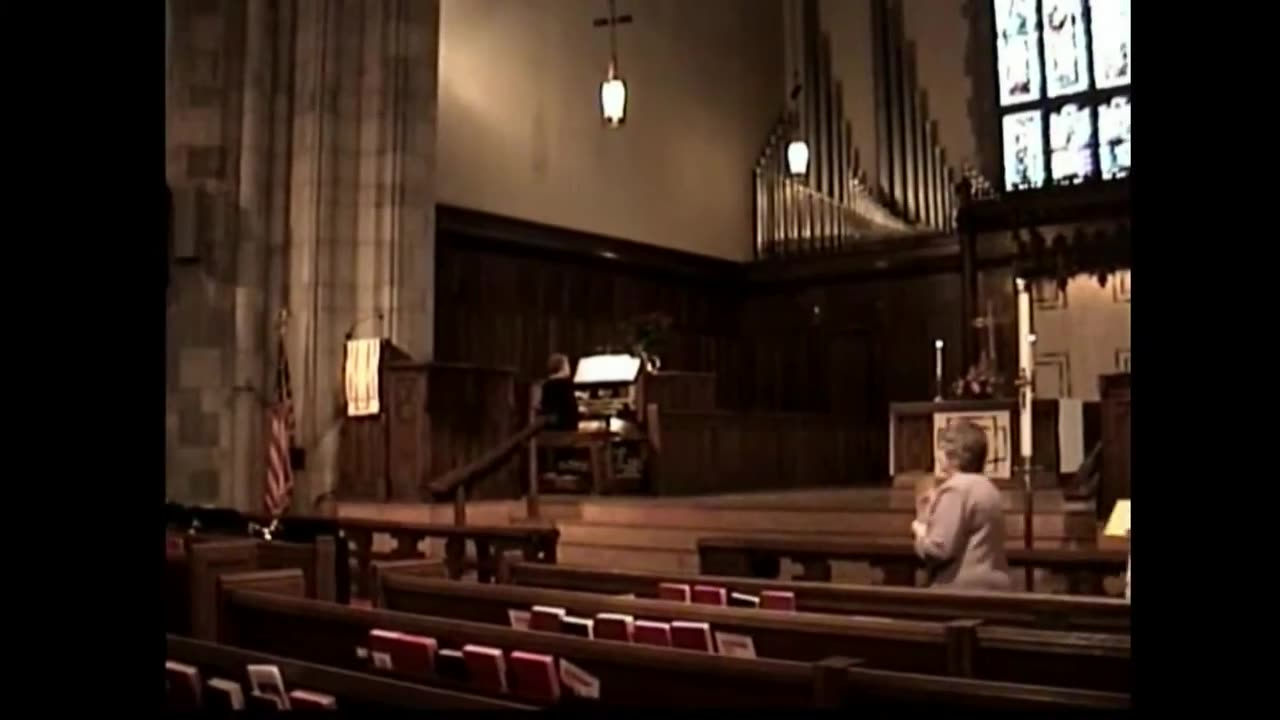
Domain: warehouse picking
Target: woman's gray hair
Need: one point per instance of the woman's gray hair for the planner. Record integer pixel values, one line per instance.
(965, 445)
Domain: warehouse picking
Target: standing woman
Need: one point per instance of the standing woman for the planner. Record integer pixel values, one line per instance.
(961, 539)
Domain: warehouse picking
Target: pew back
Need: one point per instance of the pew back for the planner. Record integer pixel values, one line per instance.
(329, 634)
(1033, 610)
(959, 648)
(194, 608)
(354, 691)
(633, 676)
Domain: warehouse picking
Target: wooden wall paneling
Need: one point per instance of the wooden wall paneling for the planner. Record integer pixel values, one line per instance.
(408, 431)
(362, 455)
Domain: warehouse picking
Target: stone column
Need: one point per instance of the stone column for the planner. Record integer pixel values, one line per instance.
(301, 137)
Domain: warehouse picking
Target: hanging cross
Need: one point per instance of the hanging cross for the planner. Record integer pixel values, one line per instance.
(612, 22)
(989, 322)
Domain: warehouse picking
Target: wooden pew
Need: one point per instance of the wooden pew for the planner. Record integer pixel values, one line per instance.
(1048, 612)
(629, 675)
(354, 691)
(534, 543)
(963, 648)
(192, 576)
(1085, 568)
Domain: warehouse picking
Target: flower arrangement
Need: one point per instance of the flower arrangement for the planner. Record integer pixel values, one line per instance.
(646, 335)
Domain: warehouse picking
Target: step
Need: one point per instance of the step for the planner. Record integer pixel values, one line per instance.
(629, 558)
(884, 524)
(852, 499)
(662, 538)
(642, 559)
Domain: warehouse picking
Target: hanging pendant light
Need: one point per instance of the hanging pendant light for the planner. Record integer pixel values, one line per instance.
(798, 157)
(797, 149)
(613, 91)
(613, 97)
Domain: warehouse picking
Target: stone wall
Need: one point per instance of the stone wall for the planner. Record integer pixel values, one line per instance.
(301, 153)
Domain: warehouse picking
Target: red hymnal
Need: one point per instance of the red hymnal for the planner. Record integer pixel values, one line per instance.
(182, 683)
(615, 626)
(533, 677)
(673, 591)
(404, 653)
(545, 619)
(451, 666)
(691, 636)
(709, 595)
(737, 599)
(777, 600)
(223, 695)
(382, 643)
(581, 627)
(307, 700)
(486, 668)
(648, 632)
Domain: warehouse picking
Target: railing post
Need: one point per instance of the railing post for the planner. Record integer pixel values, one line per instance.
(532, 507)
(460, 506)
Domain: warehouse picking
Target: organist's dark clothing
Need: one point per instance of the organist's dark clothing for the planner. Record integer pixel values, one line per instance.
(559, 403)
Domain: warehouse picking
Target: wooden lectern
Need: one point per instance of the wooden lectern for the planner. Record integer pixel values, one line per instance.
(365, 444)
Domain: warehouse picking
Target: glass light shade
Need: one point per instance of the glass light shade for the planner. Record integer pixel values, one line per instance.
(798, 157)
(613, 100)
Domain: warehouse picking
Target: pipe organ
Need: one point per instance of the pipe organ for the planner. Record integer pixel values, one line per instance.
(839, 202)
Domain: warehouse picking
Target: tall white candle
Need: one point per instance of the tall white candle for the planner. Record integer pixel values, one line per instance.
(1026, 369)
(937, 366)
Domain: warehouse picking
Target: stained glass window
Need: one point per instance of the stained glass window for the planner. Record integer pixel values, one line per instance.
(1017, 38)
(1109, 23)
(1063, 76)
(1113, 136)
(1066, 59)
(1023, 150)
(1071, 144)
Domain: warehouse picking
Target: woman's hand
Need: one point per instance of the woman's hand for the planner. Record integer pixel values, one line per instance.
(923, 502)
(918, 528)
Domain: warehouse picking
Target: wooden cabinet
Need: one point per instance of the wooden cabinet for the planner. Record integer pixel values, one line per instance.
(1114, 390)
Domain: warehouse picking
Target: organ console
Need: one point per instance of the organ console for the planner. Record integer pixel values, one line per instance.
(609, 450)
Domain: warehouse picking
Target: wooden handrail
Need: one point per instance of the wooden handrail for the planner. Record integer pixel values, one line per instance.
(472, 471)
(459, 480)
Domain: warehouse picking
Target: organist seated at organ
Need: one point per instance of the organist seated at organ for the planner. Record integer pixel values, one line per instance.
(595, 434)
(557, 400)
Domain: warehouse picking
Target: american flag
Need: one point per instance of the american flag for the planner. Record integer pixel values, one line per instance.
(278, 493)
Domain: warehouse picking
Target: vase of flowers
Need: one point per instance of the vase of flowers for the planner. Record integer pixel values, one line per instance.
(646, 335)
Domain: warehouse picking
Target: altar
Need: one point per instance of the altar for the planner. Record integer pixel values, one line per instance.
(1063, 431)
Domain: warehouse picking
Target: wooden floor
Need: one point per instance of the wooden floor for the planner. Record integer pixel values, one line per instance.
(660, 534)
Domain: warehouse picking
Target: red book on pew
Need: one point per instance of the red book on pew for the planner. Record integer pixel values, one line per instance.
(223, 696)
(691, 636)
(486, 668)
(648, 632)
(307, 700)
(182, 685)
(410, 654)
(451, 666)
(546, 619)
(580, 627)
(709, 595)
(533, 677)
(615, 626)
(778, 600)
(678, 592)
(743, 600)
